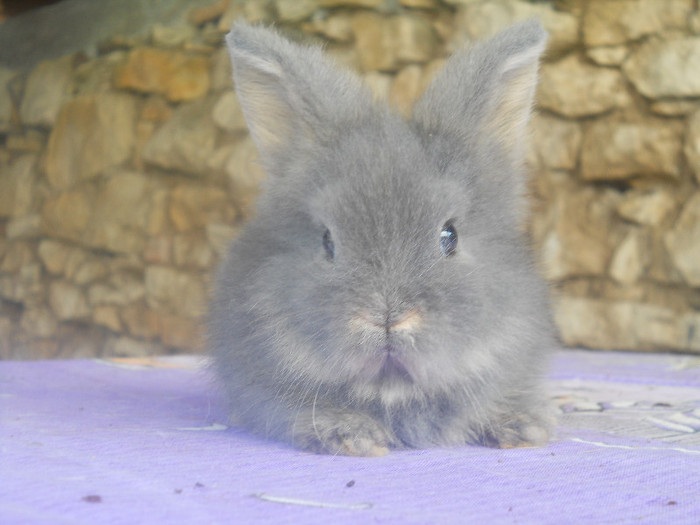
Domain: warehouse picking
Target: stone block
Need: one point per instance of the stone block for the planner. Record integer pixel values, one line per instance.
(18, 187)
(92, 133)
(67, 301)
(555, 143)
(666, 67)
(648, 207)
(692, 144)
(175, 74)
(6, 104)
(574, 88)
(48, 87)
(186, 141)
(608, 23)
(387, 43)
(175, 291)
(192, 207)
(631, 258)
(614, 149)
(227, 113)
(483, 19)
(683, 241)
(583, 232)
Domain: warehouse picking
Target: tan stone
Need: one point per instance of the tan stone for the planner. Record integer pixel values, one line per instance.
(92, 133)
(193, 207)
(683, 241)
(141, 321)
(336, 28)
(97, 75)
(127, 347)
(609, 23)
(674, 108)
(555, 143)
(406, 88)
(186, 141)
(18, 186)
(615, 149)
(582, 235)
(67, 301)
(91, 269)
(107, 316)
(17, 254)
(352, 3)
(192, 251)
(295, 10)
(6, 105)
(32, 141)
(24, 227)
(227, 113)
(631, 258)
(420, 4)
(410, 83)
(54, 255)
(651, 208)
(480, 20)
(48, 87)
(182, 333)
(121, 290)
(68, 215)
(220, 235)
(379, 84)
(625, 325)
(574, 88)
(24, 283)
(608, 55)
(127, 208)
(116, 215)
(172, 36)
(253, 11)
(158, 250)
(385, 43)
(175, 74)
(201, 15)
(221, 72)
(39, 322)
(692, 144)
(174, 291)
(666, 68)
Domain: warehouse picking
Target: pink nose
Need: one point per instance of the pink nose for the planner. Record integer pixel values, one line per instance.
(408, 322)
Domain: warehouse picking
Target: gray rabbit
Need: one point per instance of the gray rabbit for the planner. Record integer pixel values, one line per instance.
(383, 296)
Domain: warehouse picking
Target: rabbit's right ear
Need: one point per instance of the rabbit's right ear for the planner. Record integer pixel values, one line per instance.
(487, 91)
(289, 93)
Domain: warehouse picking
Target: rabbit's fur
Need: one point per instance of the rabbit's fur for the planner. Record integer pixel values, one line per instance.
(338, 322)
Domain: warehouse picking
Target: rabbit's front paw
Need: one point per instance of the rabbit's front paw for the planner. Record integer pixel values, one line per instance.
(341, 432)
(519, 430)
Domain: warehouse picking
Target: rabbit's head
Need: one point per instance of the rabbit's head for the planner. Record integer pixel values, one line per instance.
(386, 259)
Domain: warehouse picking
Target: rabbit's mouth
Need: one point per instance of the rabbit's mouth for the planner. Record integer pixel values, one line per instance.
(392, 368)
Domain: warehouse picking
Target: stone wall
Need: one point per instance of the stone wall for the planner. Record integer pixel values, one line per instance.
(125, 170)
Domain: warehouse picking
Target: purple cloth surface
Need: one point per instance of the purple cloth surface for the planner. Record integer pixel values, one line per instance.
(91, 442)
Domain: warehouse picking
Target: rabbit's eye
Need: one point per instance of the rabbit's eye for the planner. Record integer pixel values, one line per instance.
(328, 245)
(448, 239)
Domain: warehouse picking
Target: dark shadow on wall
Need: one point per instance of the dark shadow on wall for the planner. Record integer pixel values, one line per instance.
(77, 25)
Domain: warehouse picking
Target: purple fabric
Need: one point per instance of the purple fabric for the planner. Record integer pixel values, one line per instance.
(91, 442)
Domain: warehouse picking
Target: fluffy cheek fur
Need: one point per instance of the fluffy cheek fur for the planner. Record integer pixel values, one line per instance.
(335, 346)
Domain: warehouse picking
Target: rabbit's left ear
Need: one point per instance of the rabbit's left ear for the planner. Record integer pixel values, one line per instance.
(488, 89)
(290, 94)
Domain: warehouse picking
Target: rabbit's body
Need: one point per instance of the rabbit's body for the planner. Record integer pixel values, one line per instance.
(383, 295)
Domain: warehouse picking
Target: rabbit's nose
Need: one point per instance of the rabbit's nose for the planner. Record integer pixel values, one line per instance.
(405, 322)
(408, 322)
